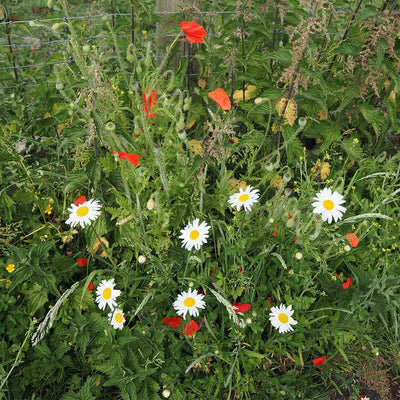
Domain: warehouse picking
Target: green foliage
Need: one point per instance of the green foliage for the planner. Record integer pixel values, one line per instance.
(308, 112)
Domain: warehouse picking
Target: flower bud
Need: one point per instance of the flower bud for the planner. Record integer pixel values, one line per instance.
(302, 122)
(142, 259)
(182, 135)
(258, 100)
(166, 393)
(269, 166)
(299, 256)
(287, 177)
(59, 86)
(150, 204)
(347, 247)
(110, 126)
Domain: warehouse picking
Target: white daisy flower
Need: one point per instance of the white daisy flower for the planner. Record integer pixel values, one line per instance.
(245, 198)
(83, 212)
(194, 235)
(281, 318)
(117, 318)
(106, 294)
(328, 204)
(189, 302)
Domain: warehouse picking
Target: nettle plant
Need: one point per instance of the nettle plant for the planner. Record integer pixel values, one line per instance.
(187, 257)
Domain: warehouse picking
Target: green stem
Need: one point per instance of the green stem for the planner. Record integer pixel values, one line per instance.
(15, 363)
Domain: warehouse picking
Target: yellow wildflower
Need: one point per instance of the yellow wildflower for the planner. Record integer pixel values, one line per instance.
(48, 209)
(10, 268)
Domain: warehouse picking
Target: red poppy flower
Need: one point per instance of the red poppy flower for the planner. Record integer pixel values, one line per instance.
(319, 361)
(80, 200)
(270, 301)
(274, 234)
(190, 328)
(149, 103)
(289, 216)
(241, 308)
(82, 262)
(296, 239)
(347, 284)
(221, 98)
(194, 32)
(352, 239)
(132, 158)
(173, 322)
(90, 286)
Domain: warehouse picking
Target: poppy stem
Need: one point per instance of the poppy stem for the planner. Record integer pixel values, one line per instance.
(167, 54)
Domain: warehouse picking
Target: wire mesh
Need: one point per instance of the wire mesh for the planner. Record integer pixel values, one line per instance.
(34, 38)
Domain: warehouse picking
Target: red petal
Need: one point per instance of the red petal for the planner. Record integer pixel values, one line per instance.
(194, 32)
(352, 239)
(82, 261)
(270, 301)
(190, 328)
(319, 361)
(289, 216)
(241, 308)
(80, 200)
(90, 286)
(274, 234)
(296, 239)
(132, 158)
(221, 98)
(173, 322)
(347, 284)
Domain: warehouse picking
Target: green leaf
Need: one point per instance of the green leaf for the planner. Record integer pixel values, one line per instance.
(37, 297)
(373, 116)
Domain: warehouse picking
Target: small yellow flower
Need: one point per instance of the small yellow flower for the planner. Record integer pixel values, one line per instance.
(334, 277)
(10, 268)
(144, 32)
(355, 140)
(94, 47)
(291, 272)
(48, 209)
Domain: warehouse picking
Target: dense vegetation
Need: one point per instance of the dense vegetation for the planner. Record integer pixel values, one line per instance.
(119, 110)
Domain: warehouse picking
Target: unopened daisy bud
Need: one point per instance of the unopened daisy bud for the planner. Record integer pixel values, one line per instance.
(248, 321)
(142, 259)
(269, 166)
(287, 177)
(271, 220)
(347, 247)
(191, 284)
(258, 100)
(299, 255)
(110, 126)
(302, 122)
(150, 204)
(216, 352)
(166, 393)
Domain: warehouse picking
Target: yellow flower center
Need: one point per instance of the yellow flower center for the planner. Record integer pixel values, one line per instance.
(243, 197)
(119, 318)
(283, 318)
(328, 205)
(194, 234)
(189, 302)
(107, 293)
(82, 211)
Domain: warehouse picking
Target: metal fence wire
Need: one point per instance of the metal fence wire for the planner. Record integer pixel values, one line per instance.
(34, 35)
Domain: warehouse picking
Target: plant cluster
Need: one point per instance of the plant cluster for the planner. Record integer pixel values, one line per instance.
(217, 227)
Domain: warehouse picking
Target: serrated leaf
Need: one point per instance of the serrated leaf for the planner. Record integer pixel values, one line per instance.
(37, 297)
(373, 116)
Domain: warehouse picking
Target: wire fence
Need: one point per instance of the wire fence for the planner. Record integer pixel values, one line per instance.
(34, 37)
